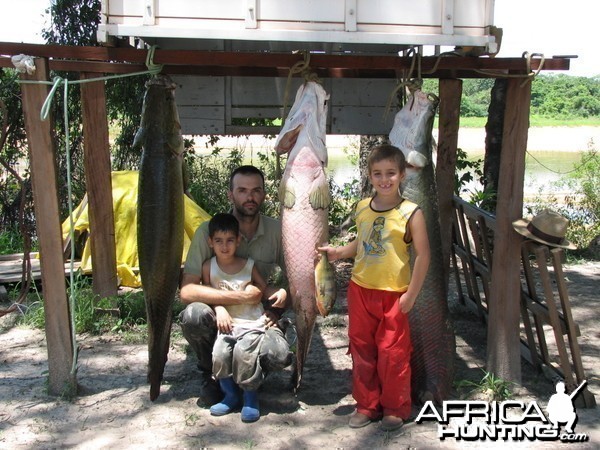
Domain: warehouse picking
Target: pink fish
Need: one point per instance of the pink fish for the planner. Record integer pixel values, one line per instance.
(305, 198)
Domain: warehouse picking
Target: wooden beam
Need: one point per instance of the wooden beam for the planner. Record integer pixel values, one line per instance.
(503, 356)
(238, 63)
(449, 121)
(61, 380)
(99, 188)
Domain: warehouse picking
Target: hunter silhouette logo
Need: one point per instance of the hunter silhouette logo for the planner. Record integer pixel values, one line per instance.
(472, 420)
(560, 407)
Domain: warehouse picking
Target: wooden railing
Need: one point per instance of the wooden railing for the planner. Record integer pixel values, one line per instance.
(541, 285)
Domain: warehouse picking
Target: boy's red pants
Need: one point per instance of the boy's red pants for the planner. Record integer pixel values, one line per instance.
(380, 347)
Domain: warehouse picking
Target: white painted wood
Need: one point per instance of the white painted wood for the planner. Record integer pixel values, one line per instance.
(252, 13)
(209, 105)
(447, 17)
(397, 22)
(351, 14)
(149, 12)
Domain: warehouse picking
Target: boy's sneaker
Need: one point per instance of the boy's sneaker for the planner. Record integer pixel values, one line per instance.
(359, 420)
(391, 423)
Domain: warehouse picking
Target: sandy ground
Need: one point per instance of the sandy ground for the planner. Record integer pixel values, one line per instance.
(113, 409)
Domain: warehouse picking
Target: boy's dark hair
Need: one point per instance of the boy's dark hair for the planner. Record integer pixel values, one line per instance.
(386, 151)
(223, 222)
(246, 170)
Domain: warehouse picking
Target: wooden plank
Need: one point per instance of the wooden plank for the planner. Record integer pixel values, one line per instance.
(503, 358)
(351, 65)
(99, 188)
(194, 91)
(12, 271)
(449, 122)
(61, 380)
(526, 250)
(542, 254)
(586, 398)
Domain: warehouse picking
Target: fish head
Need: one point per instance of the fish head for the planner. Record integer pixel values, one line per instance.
(306, 123)
(412, 128)
(160, 119)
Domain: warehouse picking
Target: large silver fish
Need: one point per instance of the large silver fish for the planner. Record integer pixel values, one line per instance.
(305, 198)
(432, 335)
(160, 218)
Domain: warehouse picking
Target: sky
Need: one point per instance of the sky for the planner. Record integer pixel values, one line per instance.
(550, 27)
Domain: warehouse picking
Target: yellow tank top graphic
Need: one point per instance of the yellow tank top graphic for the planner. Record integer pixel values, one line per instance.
(383, 260)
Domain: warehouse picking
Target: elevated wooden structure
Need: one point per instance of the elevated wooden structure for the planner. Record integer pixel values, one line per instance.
(212, 65)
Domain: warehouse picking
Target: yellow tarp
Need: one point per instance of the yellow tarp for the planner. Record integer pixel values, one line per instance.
(124, 193)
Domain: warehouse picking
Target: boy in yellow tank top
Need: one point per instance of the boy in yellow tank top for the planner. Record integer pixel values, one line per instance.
(382, 291)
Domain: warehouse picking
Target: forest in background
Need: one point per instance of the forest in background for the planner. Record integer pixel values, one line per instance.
(571, 99)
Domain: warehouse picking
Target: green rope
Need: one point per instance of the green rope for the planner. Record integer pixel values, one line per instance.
(153, 69)
(71, 223)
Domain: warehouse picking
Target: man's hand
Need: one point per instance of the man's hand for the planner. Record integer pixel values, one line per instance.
(224, 321)
(251, 295)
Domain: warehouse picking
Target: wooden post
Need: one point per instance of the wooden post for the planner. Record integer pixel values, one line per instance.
(61, 380)
(503, 354)
(99, 188)
(449, 113)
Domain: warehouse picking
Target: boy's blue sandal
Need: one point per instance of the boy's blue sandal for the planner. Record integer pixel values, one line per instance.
(231, 400)
(250, 411)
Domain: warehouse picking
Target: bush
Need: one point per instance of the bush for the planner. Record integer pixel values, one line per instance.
(582, 205)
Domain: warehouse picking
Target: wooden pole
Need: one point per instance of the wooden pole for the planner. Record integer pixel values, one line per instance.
(449, 113)
(503, 348)
(99, 188)
(61, 380)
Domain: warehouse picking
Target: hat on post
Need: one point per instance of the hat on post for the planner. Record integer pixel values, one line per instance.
(548, 227)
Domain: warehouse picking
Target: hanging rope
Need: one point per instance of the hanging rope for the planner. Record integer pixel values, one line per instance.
(153, 69)
(302, 67)
(529, 75)
(407, 83)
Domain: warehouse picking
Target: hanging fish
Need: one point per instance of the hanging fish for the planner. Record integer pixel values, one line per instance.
(159, 218)
(305, 198)
(433, 340)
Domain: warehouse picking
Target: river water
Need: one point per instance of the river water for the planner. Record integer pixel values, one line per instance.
(552, 152)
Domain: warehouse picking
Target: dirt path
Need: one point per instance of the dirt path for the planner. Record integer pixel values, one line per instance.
(114, 410)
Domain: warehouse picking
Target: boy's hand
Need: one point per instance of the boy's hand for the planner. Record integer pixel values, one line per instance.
(280, 296)
(406, 302)
(224, 321)
(330, 251)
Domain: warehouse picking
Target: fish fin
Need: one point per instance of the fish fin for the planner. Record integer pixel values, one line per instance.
(287, 195)
(322, 310)
(319, 197)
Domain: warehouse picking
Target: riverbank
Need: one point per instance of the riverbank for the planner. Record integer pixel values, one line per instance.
(471, 140)
(545, 139)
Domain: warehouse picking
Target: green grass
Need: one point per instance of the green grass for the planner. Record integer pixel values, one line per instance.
(534, 121)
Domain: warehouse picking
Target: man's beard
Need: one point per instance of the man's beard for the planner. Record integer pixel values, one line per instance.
(245, 212)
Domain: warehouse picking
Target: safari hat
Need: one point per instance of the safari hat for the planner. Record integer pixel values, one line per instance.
(548, 227)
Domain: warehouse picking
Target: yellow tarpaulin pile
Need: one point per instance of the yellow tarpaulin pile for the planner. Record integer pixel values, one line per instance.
(124, 193)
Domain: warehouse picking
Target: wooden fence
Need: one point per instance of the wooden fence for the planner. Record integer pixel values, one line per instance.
(548, 331)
